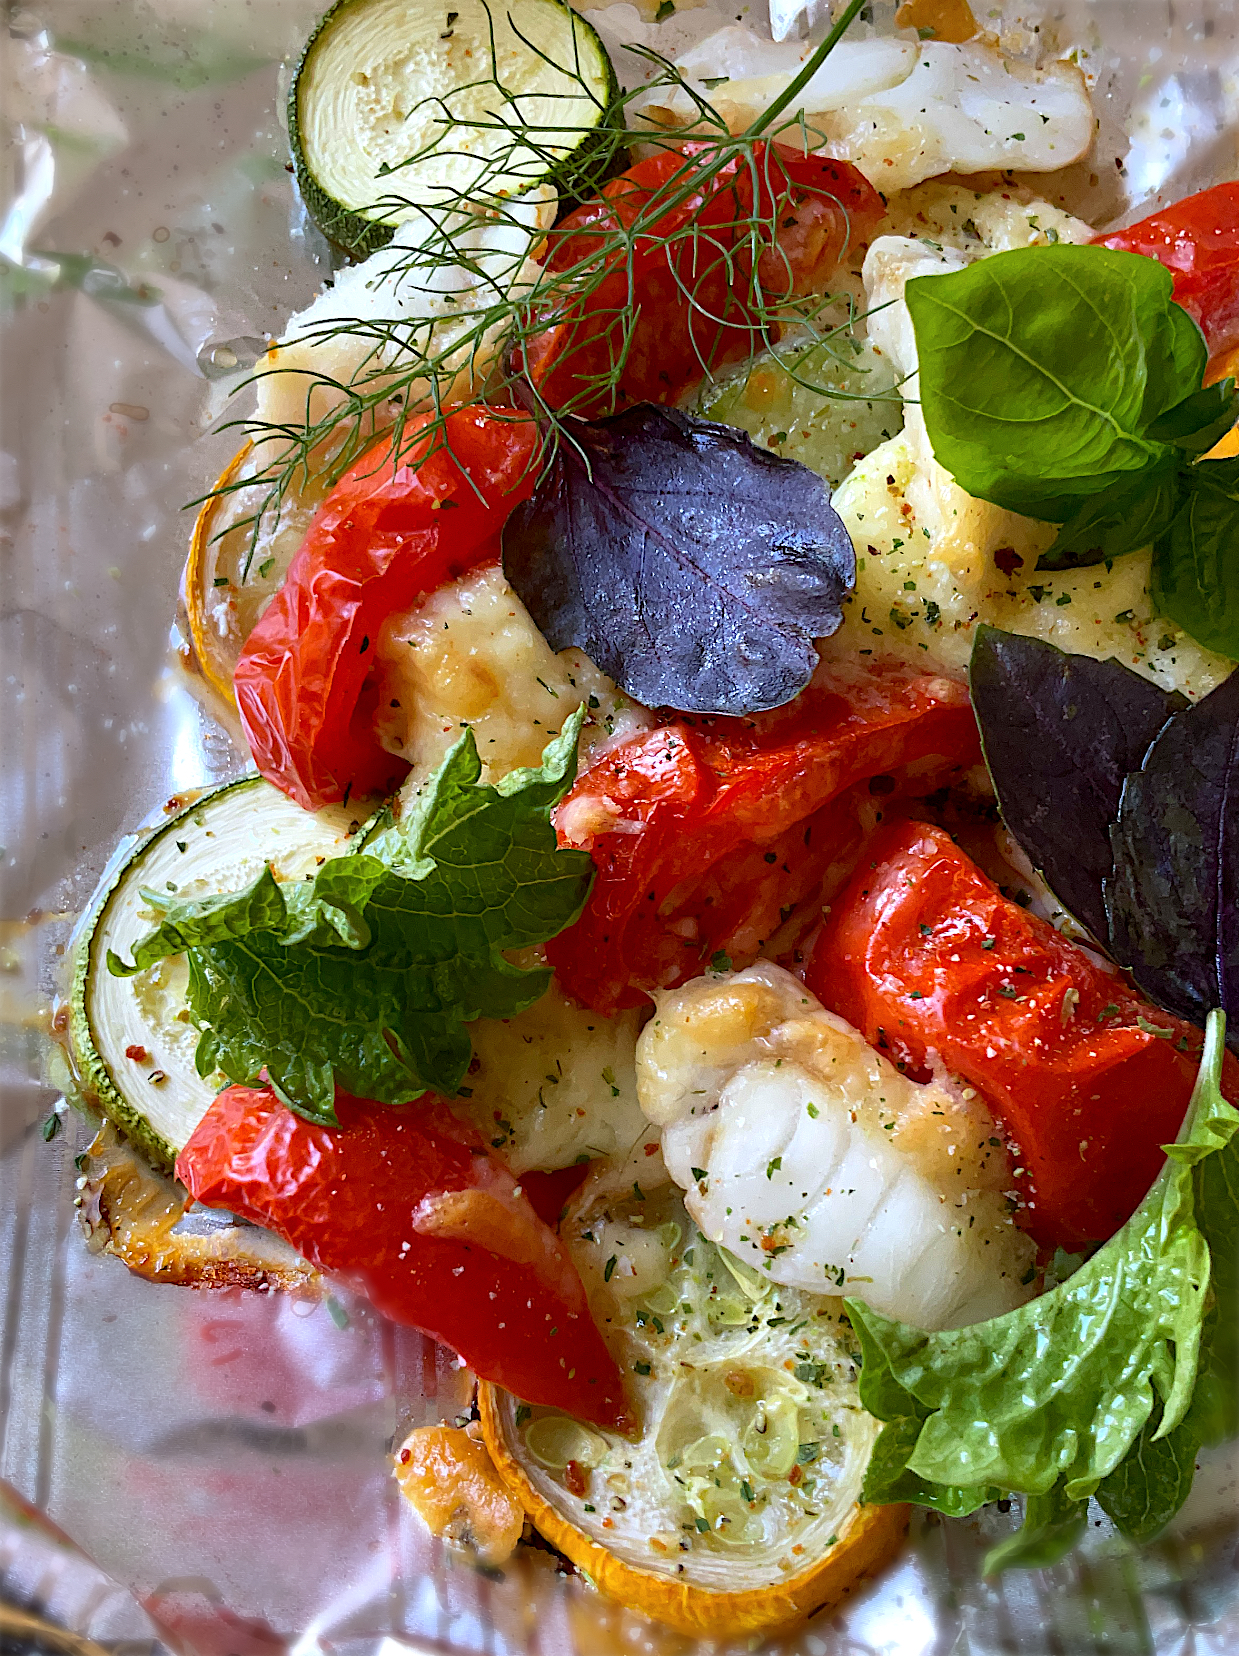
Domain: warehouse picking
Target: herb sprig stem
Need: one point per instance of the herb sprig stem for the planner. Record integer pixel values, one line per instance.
(810, 68)
(475, 303)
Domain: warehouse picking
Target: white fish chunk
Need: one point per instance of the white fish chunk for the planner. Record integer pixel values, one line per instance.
(964, 109)
(900, 112)
(807, 1155)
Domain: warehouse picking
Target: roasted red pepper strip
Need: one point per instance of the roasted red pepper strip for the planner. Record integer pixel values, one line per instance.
(678, 278)
(1198, 241)
(386, 534)
(703, 829)
(406, 1206)
(923, 954)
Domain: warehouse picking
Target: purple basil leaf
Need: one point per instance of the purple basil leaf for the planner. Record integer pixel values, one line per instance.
(691, 566)
(1173, 898)
(1060, 733)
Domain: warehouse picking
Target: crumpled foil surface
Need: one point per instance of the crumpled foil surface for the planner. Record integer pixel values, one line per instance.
(209, 1471)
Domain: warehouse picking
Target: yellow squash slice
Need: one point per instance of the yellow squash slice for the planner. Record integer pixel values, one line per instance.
(734, 1508)
(230, 578)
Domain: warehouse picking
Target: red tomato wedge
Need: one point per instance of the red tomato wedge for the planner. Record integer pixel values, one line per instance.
(1198, 241)
(671, 290)
(704, 830)
(923, 954)
(408, 1207)
(389, 532)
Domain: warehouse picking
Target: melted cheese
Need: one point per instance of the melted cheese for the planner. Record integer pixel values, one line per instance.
(471, 655)
(555, 1085)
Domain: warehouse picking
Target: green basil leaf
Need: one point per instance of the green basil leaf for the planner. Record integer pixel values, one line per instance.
(1052, 1396)
(1131, 515)
(1196, 423)
(1042, 371)
(1176, 366)
(366, 976)
(1196, 562)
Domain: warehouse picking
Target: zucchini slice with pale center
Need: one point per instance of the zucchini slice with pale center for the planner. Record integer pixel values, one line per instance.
(132, 1037)
(735, 1506)
(447, 103)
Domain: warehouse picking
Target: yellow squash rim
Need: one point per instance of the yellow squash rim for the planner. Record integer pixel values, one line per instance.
(195, 576)
(873, 1536)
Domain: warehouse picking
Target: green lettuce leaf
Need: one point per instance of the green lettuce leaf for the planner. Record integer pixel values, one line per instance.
(1053, 1523)
(1051, 1400)
(366, 975)
(1146, 1489)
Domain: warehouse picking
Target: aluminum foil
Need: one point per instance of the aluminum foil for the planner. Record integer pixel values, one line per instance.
(209, 1471)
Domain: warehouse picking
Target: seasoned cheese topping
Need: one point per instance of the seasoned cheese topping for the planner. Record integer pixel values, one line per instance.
(556, 1085)
(933, 561)
(471, 655)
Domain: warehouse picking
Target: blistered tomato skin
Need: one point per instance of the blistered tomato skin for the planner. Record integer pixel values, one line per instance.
(1198, 241)
(405, 1205)
(306, 680)
(674, 298)
(704, 831)
(924, 955)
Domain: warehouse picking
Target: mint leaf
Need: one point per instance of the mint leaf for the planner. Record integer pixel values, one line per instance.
(1050, 1399)
(1196, 560)
(207, 920)
(366, 976)
(1044, 371)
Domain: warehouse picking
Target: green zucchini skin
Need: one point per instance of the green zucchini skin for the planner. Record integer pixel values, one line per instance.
(249, 822)
(359, 232)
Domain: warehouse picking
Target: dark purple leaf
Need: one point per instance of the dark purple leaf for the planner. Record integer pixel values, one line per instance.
(1060, 733)
(691, 566)
(1173, 898)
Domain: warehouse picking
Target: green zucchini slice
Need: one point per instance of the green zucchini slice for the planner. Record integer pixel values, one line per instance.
(398, 104)
(132, 1039)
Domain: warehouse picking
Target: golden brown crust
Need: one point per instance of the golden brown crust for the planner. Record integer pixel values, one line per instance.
(871, 1537)
(131, 1211)
(447, 1476)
